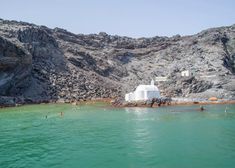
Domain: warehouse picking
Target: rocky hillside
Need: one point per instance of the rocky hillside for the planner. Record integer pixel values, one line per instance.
(41, 64)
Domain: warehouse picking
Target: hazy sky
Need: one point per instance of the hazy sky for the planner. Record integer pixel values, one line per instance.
(135, 18)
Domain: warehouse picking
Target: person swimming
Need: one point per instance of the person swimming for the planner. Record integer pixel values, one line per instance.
(201, 108)
(226, 109)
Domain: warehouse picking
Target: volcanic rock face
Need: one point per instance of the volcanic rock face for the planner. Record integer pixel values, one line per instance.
(42, 64)
(15, 68)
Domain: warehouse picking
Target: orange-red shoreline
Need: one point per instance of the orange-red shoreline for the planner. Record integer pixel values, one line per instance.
(109, 102)
(189, 103)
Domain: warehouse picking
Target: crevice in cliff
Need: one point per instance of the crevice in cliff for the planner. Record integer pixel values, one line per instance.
(229, 60)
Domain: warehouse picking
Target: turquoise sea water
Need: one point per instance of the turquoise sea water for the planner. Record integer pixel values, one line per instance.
(99, 136)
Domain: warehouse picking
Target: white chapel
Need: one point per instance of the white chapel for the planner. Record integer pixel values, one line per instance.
(143, 93)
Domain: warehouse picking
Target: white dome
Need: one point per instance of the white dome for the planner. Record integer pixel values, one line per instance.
(147, 88)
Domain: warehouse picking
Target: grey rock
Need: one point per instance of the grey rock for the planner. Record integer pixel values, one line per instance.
(42, 64)
(15, 68)
(6, 101)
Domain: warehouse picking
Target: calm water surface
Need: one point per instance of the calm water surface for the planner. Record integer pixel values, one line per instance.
(99, 136)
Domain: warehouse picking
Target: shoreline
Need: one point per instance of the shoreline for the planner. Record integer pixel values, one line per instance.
(111, 102)
(78, 102)
(177, 104)
(203, 103)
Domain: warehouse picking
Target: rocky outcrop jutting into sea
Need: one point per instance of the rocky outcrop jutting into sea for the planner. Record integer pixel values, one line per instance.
(40, 64)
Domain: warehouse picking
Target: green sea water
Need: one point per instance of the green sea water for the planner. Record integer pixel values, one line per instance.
(38, 136)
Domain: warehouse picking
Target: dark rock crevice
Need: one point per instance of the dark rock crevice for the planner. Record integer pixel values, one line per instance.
(15, 68)
(229, 59)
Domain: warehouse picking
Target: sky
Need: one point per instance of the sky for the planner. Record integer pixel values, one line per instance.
(134, 18)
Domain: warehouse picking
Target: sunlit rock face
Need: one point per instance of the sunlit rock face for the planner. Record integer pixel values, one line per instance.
(38, 63)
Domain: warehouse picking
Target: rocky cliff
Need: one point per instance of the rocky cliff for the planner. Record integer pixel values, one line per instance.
(41, 64)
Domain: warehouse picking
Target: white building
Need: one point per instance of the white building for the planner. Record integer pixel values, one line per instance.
(143, 93)
(187, 73)
(161, 79)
